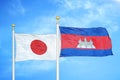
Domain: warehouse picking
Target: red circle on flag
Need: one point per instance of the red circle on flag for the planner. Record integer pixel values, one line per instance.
(38, 47)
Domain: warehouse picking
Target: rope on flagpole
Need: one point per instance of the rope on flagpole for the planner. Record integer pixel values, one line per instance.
(57, 48)
(13, 54)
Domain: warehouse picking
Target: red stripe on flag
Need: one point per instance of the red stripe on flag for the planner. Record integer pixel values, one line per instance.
(71, 41)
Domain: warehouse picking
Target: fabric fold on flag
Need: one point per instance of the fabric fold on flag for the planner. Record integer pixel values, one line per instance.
(85, 42)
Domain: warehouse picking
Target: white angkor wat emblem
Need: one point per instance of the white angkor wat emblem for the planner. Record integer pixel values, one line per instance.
(85, 44)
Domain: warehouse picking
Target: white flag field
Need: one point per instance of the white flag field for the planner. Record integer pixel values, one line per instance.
(35, 47)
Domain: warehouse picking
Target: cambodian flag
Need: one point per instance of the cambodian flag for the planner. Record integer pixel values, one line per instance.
(85, 42)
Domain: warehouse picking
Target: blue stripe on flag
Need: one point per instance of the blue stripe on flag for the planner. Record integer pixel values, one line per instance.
(78, 52)
(84, 31)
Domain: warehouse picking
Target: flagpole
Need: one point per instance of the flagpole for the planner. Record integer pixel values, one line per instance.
(57, 48)
(13, 54)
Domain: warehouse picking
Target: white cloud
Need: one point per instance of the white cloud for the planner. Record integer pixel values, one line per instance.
(72, 4)
(45, 25)
(88, 5)
(30, 68)
(88, 14)
(16, 7)
(113, 28)
(78, 13)
(40, 25)
(62, 59)
(33, 67)
(117, 0)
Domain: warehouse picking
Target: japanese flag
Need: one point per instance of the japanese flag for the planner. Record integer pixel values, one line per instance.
(35, 47)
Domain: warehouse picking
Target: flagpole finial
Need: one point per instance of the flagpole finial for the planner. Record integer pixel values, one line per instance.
(57, 17)
(13, 25)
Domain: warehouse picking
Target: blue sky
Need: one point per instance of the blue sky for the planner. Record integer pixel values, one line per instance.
(38, 17)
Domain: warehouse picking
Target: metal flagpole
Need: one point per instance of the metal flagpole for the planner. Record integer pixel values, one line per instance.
(13, 54)
(57, 48)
